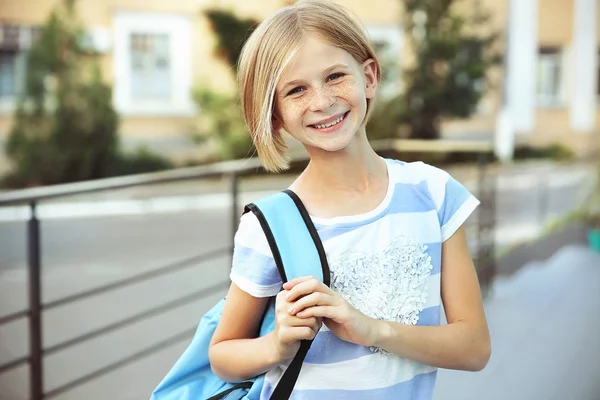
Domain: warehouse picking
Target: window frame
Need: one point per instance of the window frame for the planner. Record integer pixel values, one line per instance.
(179, 30)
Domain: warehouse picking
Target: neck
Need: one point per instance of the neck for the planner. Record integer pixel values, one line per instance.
(355, 168)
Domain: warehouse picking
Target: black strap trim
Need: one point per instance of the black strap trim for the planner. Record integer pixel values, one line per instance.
(286, 384)
(270, 239)
(241, 385)
(313, 233)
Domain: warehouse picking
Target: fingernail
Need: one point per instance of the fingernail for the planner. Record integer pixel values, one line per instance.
(287, 296)
(291, 310)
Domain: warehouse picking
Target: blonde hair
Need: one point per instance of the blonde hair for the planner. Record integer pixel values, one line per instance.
(268, 52)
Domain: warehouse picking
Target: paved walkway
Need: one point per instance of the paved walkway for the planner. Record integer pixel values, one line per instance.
(545, 328)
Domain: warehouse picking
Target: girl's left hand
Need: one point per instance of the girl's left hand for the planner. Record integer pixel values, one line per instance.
(312, 298)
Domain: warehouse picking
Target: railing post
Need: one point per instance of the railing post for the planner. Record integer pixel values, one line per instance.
(35, 306)
(486, 226)
(542, 201)
(234, 206)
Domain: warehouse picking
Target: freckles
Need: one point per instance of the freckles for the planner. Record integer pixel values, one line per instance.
(293, 107)
(343, 90)
(302, 103)
(346, 90)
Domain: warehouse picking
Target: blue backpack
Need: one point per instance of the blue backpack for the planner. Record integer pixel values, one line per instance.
(297, 251)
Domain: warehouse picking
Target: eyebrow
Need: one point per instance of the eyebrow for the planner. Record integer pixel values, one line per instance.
(326, 72)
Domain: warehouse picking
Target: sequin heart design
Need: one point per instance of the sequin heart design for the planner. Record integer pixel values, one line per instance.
(390, 285)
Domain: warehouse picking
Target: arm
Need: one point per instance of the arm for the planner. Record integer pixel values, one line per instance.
(236, 338)
(463, 343)
(235, 344)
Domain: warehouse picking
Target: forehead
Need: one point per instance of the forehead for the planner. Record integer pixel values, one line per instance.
(314, 55)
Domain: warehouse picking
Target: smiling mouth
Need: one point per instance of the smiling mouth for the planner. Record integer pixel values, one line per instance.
(332, 123)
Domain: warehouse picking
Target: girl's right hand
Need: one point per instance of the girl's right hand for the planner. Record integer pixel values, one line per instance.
(289, 329)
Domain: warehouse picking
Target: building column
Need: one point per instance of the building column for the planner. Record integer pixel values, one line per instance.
(585, 67)
(518, 109)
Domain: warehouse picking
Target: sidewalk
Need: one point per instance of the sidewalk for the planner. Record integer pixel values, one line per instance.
(544, 323)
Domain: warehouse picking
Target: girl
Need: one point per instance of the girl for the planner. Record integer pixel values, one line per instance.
(392, 231)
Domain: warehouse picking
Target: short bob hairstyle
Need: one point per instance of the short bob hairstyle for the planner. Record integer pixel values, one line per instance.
(268, 52)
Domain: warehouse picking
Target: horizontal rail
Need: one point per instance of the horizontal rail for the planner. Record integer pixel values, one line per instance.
(441, 146)
(122, 182)
(14, 316)
(138, 278)
(138, 317)
(222, 169)
(128, 360)
(13, 364)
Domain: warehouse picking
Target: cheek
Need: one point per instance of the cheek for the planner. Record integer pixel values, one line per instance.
(351, 91)
(291, 110)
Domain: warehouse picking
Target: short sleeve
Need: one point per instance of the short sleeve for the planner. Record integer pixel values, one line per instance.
(454, 203)
(253, 269)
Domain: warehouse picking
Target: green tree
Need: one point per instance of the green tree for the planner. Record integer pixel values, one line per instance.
(453, 54)
(220, 120)
(65, 127)
(220, 123)
(231, 31)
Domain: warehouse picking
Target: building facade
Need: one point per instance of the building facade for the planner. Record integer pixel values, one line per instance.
(155, 53)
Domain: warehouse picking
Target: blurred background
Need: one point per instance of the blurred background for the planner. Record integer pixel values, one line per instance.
(126, 163)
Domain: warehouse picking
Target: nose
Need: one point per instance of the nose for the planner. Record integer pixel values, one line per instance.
(322, 100)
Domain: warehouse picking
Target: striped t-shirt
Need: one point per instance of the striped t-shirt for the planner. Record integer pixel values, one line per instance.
(386, 263)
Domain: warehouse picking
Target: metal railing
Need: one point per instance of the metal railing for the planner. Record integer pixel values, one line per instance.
(232, 170)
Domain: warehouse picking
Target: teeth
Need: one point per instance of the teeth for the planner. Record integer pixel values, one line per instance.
(337, 121)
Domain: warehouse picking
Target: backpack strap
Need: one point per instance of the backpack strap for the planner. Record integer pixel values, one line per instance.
(297, 251)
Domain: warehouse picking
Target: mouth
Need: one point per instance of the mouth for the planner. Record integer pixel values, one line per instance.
(330, 124)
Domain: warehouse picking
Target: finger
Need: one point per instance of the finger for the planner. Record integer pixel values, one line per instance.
(281, 303)
(295, 321)
(290, 284)
(329, 312)
(313, 299)
(317, 325)
(281, 295)
(298, 333)
(305, 288)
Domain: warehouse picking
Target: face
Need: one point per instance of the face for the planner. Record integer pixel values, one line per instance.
(321, 99)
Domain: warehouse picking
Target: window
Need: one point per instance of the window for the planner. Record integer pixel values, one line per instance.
(15, 43)
(8, 73)
(150, 66)
(549, 87)
(152, 63)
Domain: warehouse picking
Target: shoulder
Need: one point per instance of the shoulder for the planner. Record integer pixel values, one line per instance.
(436, 183)
(251, 236)
(415, 171)
(423, 171)
(253, 269)
(432, 179)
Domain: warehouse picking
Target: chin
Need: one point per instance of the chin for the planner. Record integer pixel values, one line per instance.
(333, 145)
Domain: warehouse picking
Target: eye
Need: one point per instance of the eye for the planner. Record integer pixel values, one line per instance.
(334, 77)
(296, 90)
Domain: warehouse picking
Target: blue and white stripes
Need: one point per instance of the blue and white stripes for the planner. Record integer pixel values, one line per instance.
(423, 204)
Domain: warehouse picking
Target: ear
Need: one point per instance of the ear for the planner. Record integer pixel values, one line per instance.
(276, 122)
(370, 70)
